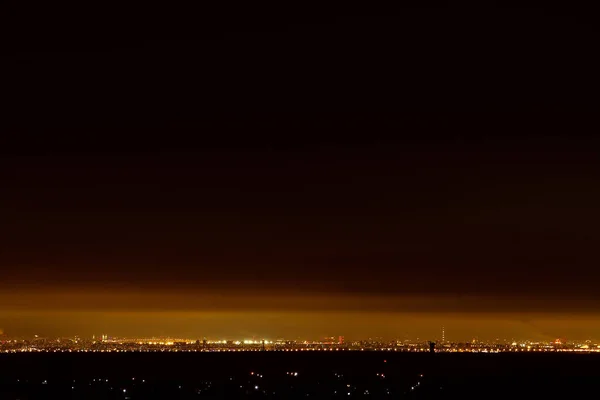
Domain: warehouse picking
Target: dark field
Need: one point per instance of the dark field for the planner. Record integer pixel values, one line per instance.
(273, 374)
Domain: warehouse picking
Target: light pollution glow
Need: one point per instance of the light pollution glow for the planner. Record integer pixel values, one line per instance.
(237, 316)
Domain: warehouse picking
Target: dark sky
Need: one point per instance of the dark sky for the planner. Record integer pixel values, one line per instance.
(367, 165)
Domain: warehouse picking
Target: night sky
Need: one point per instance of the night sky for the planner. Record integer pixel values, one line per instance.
(310, 173)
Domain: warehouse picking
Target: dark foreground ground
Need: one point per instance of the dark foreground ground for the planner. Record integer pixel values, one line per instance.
(298, 375)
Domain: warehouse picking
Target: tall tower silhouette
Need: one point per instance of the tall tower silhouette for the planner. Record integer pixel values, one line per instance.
(432, 347)
(443, 335)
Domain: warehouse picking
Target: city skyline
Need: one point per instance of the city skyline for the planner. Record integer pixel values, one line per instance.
(106, 343)
(244, 325)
